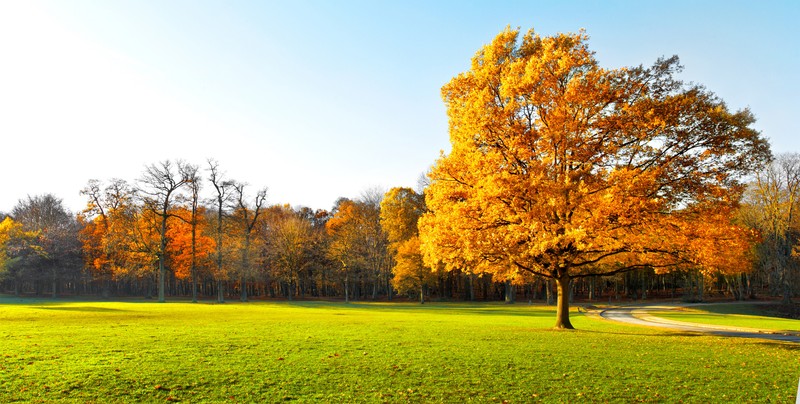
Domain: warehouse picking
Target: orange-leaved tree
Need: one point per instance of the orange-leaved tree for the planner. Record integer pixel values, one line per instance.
(105, 209)
(190, 245)
(159, 187)
(563, 169)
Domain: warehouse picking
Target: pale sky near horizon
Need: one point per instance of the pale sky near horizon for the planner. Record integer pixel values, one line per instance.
(318, 100)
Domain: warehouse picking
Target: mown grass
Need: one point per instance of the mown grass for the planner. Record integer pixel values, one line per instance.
(333, 352)
(734, 315)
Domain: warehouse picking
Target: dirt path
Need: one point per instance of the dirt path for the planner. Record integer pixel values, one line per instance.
(640, 315)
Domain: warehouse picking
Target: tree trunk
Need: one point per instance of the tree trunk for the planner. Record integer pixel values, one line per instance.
(786, 284)
(787, 293)
(471, 287)
(161, 252)
(389, 289)
(562, 312)
(748, 287)
(644, 284)
(245, 268)
(701, 286)
(346, 287)
(220, 291)
(55, 284)
(194, 265)
(510, 292)
(421, 293)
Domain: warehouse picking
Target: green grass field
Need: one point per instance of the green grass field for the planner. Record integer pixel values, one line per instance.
(734, 315)
(332, 352)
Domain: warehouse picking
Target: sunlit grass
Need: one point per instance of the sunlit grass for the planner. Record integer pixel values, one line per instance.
(733, 315)
(315, 351)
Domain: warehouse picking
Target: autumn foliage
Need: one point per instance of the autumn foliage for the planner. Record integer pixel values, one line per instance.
(401, 209)
(561, 168)
(179, 248)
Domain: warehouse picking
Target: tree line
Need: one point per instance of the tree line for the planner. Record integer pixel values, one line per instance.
(564, 179)
(183, 230)
(209, 239)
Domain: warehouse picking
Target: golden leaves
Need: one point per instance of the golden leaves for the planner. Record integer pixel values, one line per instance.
(557, 163)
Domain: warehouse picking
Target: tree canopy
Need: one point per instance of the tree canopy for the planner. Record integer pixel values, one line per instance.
(561, 168)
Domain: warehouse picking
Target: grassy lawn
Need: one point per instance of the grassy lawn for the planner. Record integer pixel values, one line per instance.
(736, 315)
(331, 352)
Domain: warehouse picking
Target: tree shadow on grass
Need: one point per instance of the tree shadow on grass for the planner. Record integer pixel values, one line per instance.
(86, 309)
(788, 345)
(779, 344)
(487, 309)
(659, 334)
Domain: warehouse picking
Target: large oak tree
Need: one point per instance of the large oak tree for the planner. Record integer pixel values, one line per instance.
(561, 168)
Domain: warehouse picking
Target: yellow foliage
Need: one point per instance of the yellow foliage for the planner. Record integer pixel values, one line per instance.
(401, 208)
(410, 272)
(560, 168)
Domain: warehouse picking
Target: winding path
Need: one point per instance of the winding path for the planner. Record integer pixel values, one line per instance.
(640, 315)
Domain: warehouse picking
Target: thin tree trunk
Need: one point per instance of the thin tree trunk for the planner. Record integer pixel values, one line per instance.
(194, 253)
(245, 265)
(786, 282)
(161, 270)
(346, 287)
(644, 283)
(748, 286)
(700, 286)
(471, 287)
(55, 284)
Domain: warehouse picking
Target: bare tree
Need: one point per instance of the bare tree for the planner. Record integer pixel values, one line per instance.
(246, 218)
(374, 238)
(159, 185)
(291, 248)
(58, 236)
(772, 207)
(223, 190)
(190, 172)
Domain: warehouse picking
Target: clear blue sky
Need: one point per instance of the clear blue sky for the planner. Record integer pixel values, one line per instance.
(322, 99)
